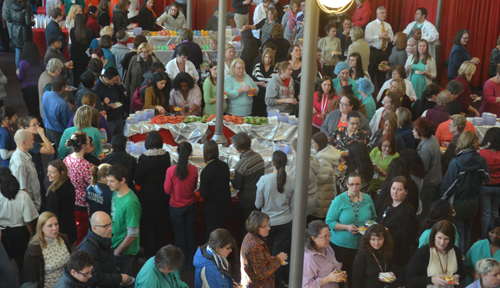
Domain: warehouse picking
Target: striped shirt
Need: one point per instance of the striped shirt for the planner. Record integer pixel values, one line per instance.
(261, 75)
(23, 168)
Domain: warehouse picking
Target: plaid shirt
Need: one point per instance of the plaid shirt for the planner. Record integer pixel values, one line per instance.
(258, 266)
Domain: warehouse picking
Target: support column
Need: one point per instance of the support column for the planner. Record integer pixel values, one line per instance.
(438, 43)
(221, 43)
(189, 16)
(309, 70)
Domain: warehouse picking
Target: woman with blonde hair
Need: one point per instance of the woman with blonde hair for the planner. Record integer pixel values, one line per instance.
(240, 89)
(83, 122)
(405, 128)
(99, 190)
(107, 30)
(288, 20)
(465, 73)
(398, 54)
(488, 271)
(137, 66)
(359, 45)
(467, 172)
(47, 253)
(61, 197)
(262, 73)
(228, 58)
(421, 67)
(70, 18)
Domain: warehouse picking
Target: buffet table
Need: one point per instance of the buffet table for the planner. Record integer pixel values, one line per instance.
(481, 130)
(166, 55)
(41, 42)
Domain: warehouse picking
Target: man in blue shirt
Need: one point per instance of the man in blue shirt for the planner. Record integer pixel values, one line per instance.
(56, 113)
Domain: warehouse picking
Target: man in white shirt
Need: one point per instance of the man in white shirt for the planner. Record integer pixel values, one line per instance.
(378, 34)
(429, 31)
(260, 14)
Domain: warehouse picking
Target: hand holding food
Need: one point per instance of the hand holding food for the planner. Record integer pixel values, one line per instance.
(337, 276)
(352, 229)
(283, 256)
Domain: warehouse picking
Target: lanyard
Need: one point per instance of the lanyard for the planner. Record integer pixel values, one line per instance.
(356, 210)
(8, 129)
(441, 264)
(385, 264)
(342, 84)
(385, 214)
(323, 105)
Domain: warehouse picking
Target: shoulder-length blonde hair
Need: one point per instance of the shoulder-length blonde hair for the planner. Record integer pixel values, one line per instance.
(233, 65)
(400, 86)
(71, 13)
(107, 30)
(356, 33)
(83, 117)
(63, 171)
(416, 55)
(467, 140)
(147, 46)
(401, 41)
(467, 69)
(39, 238)
(271, 54)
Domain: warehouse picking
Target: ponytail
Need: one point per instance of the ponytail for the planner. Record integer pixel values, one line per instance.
(99, 172)
(184, 150)
(279, 162)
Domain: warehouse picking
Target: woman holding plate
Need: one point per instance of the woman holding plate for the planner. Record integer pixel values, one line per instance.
(421, 67)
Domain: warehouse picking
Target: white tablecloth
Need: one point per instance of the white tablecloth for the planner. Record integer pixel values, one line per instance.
(166, 55)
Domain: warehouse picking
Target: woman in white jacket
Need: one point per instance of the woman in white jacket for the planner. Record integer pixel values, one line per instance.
(328, 158)
(421, 68)
(172, 18)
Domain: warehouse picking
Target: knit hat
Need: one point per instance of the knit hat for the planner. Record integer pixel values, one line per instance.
(122, 36)
(366, 86)
(340, 66)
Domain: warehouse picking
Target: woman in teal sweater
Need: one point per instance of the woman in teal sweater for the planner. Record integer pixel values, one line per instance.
(347, 213)
(210, 91)
(83, 122)
(343, 79)
(240, 89)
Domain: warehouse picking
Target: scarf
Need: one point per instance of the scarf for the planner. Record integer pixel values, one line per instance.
(152, 11)
(220, 262)
(291, 20)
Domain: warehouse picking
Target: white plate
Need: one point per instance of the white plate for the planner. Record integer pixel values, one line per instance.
(118, 104)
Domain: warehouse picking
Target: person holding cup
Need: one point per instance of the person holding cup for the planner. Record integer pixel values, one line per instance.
(347, 212)
(320, 263)
(373, 258)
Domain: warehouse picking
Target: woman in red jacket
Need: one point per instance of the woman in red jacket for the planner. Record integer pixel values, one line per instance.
(362, 14)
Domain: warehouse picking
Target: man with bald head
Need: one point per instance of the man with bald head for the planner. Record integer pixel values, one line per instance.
(23, 168)
(98, 244)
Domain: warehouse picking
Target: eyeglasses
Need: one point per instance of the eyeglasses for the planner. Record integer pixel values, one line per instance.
(265, 226)
(86, 275)
(35, 125)
(354, 184)
(326, 236)
(106, 226)
(344, 104)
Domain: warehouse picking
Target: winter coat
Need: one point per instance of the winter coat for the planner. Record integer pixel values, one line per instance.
(172, 23)
(209, 272)
(120, 20)
(68, 281)
(462, 182)
(119, 50)
(329, 160)
(103, 19)
(276, 90)
(217, 205)
(20, 18)
(106, 273)
(150, 174)
(133, 78)
(61, 202)
(362, 14)
(312, 187)
(34, 265)
(146, 19)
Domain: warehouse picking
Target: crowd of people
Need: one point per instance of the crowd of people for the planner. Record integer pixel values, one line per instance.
(397, 173)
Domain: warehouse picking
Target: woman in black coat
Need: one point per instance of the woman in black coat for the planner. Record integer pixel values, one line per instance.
(61, 198)
(81, 36)
(20, 16)
(150, 174)
(440, 255)
(103, 18)
(147, 16)
(120, 19)
(217, 205)
(399, 218)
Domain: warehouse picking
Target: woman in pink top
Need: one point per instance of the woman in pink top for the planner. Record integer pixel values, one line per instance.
(180, 182)
(490, 194)
(186, 95)
(80, 174)
(322, 98)
(321, 268)
(491, 93)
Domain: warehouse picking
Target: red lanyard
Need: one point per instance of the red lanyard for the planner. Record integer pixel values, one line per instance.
(385, 264)
(8, 128)
(441, 264)
(342, 84)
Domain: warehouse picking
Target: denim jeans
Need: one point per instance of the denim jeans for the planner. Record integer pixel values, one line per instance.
(490, 200)
(183, 225)
(279, 240)
(464, 228)
(18, 56)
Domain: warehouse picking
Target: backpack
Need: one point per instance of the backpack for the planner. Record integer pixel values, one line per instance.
(138, 98)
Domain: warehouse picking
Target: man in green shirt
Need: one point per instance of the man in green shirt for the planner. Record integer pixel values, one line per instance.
(126, 216)
(161, 270)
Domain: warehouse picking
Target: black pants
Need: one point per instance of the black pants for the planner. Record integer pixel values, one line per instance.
(54, 137)
(154, 233)
(346, 257)
(279, 240)
(377, 56)
(78, 70)
(243, 214)
(4, 38)
(30, 97)
(15, 241)
(212, 226)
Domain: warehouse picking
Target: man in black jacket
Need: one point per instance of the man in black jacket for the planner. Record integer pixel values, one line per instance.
(120, 156)
(53, 27)
(78, 271)
(98, 244)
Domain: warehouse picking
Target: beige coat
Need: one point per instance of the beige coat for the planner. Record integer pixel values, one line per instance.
(362, 47)
(312, 187)
(328, 159)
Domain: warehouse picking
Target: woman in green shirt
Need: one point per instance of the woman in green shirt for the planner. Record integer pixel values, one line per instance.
(381, 156)
(210, 91)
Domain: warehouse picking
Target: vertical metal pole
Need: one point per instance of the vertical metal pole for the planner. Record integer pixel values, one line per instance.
(438, 14)
(309, 70)
(221, 43)
(189, 13)
(438, 43)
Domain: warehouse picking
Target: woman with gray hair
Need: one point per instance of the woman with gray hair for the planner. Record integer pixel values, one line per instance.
(138, 65)
(53, 69)
(359, 45)
(438, 114)
(162, 269)
(488, 271)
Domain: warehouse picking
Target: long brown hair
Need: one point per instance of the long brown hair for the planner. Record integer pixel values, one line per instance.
(99, 172)
(122, 5)
(332, 92)
(416, 54)
(379, 231)
(63, 170)
(82, 32)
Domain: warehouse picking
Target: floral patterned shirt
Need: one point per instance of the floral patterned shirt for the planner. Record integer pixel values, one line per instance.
(80, 174)
(342, 139)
